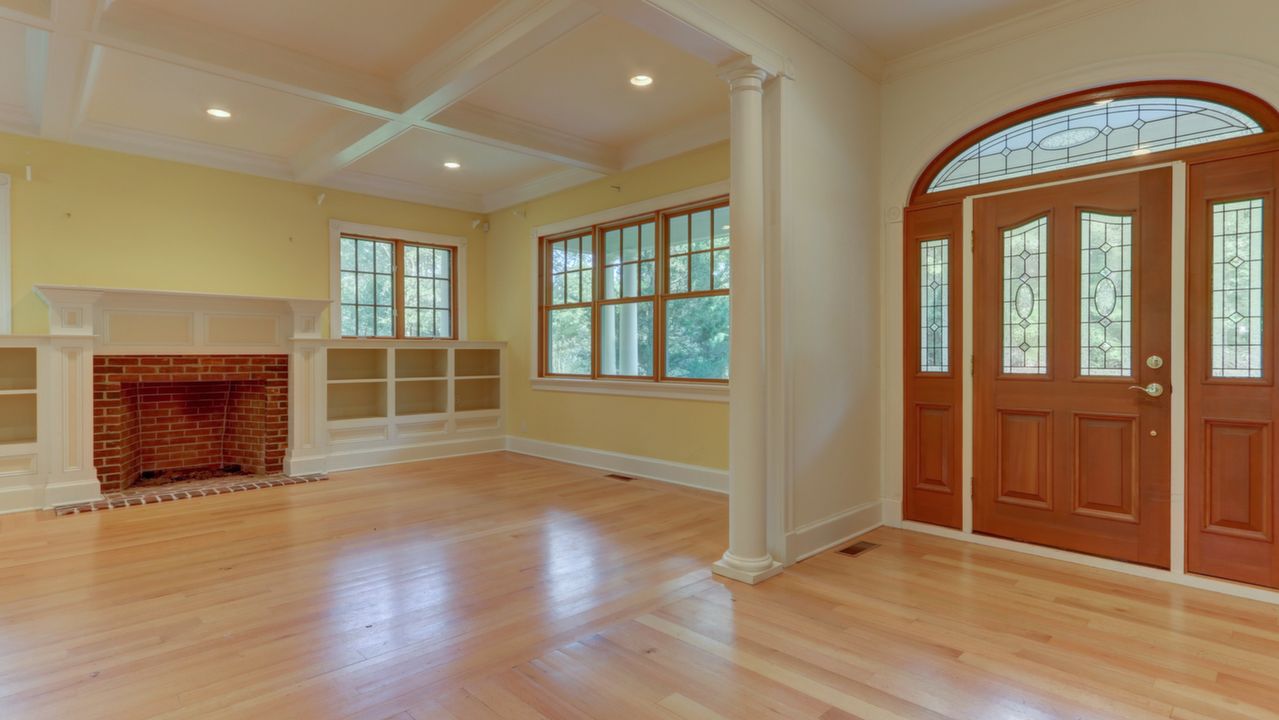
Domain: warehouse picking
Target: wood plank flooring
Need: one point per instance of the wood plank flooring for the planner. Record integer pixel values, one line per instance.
(501, 587)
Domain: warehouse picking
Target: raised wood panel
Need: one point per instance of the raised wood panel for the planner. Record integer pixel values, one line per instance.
(242, 330)
(1237, 498)
(934, 438)
(149, 328)
(1025, 466)
(1105, 482)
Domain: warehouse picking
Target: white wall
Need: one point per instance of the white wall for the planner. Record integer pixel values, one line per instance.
(952, 89)
(824, 413)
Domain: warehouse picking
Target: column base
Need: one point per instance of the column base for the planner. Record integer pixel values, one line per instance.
(724, 567)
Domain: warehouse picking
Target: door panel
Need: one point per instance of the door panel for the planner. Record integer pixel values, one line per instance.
(1071, 296)
(932, 489)
(1231, 498)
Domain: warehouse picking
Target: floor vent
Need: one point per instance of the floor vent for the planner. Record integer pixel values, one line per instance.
(617, 476)
(858, 548)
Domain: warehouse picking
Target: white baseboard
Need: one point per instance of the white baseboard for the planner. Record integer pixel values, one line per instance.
(696, 476)
(75, 491)
(1226, 587)
(17, 499)
(817, 537)
(354, 459)
(893, 512)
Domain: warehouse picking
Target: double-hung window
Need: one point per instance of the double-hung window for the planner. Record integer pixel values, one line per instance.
(643, 298)
(396, 288)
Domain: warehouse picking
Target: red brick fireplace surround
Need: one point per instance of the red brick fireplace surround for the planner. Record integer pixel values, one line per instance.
(178, 412)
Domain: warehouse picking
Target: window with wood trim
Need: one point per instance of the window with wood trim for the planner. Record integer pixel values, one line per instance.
(393, 288)
(642, 298)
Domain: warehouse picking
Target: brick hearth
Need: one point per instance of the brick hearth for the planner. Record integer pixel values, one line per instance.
(170, 412)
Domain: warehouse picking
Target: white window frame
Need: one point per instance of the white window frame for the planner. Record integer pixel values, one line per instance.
(682, 390)
(338, 228)
(6, 259)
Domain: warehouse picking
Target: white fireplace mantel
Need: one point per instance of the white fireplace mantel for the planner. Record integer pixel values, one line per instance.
(132, 321)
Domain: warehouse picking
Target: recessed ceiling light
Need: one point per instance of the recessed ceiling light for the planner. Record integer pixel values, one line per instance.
(452, 165)
(641, 81)
(218, 113)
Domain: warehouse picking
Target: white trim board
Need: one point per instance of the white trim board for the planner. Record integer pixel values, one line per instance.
(339, 227)
(694, 476)
(6, 258)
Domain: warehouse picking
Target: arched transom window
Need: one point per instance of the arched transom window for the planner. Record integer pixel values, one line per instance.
(1097, 126)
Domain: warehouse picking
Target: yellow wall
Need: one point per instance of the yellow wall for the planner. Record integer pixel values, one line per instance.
(99, 218)
(676, 430)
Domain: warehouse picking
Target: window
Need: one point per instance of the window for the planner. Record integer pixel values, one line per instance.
(645, 298)
(1093, 133)
(1026, 298)
(934, 306)
(1099, 125)
(396, 283)
(1237, 274)
(1105, 297)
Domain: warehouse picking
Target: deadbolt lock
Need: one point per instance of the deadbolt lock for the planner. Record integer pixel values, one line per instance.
(1154, 362)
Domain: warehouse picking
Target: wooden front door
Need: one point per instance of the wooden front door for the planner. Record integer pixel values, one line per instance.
(1231, 478)
(1071, 346)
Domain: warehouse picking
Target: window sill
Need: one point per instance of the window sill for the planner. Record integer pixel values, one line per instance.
(704, 392)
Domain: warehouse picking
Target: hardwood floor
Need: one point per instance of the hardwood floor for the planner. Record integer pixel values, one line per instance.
(504, 587)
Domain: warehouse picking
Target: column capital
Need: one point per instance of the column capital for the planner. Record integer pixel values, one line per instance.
(743, 73)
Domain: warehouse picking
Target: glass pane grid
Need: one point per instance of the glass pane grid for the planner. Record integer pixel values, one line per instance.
(1025, 281)
(630, 261)
(1237, 273)
(1092, 134)
(572, 267)
(428, 291)
(367, 277)
(699, 252)
(934, 306)
(1105, 302)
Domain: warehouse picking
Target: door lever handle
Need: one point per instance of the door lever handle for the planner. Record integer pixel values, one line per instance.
(1154, 389)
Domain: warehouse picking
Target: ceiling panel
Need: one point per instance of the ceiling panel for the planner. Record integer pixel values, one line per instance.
(381, 37)
(895, 28)
(12, 64)
(419, 155)
(152, 96)
(580, 85)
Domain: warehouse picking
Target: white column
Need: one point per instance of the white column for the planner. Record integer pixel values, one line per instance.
(629, 333)
(747, 558)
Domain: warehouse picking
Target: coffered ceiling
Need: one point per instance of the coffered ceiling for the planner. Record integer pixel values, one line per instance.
(527, 96)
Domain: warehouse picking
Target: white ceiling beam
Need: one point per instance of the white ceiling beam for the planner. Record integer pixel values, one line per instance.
(65, 77)
(160, 36)
(493, 128)
(506, 35)
(689, 26)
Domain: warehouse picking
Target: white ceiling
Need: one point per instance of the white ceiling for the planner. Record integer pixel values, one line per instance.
(530, 96)
(374, 96)
(896, 28)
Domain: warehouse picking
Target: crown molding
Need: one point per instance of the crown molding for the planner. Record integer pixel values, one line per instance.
(999, 34)
(689, 136)
(824, 31)
(167, 147)
(541, 187)
(380, 186)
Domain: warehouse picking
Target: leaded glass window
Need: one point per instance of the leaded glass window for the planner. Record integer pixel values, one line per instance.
(1105, 294)
(1093, 133)
(1237, 294)
(1025, 349)
(367, 287)
(934, 306)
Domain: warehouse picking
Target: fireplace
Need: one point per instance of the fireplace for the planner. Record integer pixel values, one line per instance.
(163, 414)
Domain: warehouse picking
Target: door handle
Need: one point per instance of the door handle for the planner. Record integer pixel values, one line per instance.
(1154, 389)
